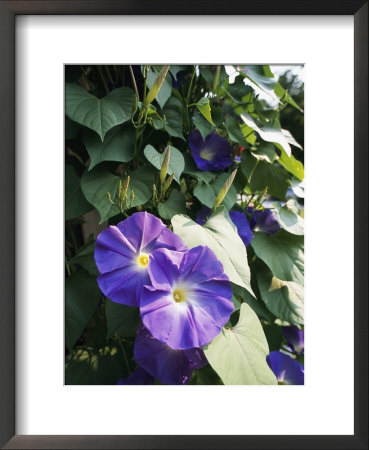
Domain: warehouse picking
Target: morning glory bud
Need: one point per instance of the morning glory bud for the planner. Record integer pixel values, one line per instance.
(164, 166)
(223, 192)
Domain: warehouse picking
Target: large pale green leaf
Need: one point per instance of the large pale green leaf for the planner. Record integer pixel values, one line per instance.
(121, 319)
(118, 145)
(75, 203)
(283, 253)
(203, 106)
(174, 117)
(176, 161)
(261, 76)
(81, 298)
(270, 176)
(206, 194)
(289, 218)
(268, 133)
(100, 115)
(97, 182)
(220, 235)
(286, 97)
(285, 299)
(238, 355)
(175, 204)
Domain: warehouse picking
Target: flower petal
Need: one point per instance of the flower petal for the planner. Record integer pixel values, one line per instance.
(123, 285)
(243, 226)
(295, 339)
(212, 154)
(167, 365)
(286, 369)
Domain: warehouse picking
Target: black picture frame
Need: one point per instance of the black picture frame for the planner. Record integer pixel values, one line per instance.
(8, 11)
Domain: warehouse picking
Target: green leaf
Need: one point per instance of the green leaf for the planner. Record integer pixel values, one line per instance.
(273, 177)
(174, 117)
(203, 106)
(285, 96)
(176, 162)
(75, 203)
(265, 152)
(291, 164)
(261, 76)
(98, 181)
(121, 319)
(160, 84)
(85, 257)
(289, 218)
(118, 146)
(285, 299)
(176, 204)
(202, 124)
(100, 115)
(81, 298)
(269, 133)
(234, 131)
(207, 194)
(92, 366)
(221, 236)
(241, 295)
(239, 354)
(283, 253)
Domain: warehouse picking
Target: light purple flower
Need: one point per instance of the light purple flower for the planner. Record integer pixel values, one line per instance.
(189, 299)
(286, 369)
(169, 366)
(215, 153)
(122, 255)
(138, 377)
(295, 339)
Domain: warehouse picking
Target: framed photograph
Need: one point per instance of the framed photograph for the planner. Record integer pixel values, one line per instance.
(153, 172)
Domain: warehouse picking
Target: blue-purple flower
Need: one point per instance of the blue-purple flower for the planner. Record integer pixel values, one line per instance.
(122, 255)
(286, 369)
(189, 299)
(264, 220)
(138, 377)
(238, 218)
(243, 226)
(169, 366)
(215, 153)
(295, 339)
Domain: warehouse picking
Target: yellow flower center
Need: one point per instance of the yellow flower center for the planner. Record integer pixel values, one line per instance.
(179, 295)
(143, 260)
(206, 154)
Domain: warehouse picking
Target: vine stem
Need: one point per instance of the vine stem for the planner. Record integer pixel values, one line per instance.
(134, 83)
(188, 96)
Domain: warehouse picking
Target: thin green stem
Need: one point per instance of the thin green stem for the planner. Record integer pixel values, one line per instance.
(134, 83)
(109, 75)
(188, 96)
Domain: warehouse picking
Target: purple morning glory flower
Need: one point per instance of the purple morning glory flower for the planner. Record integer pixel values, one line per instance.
(264, 220)
(122, 255)
(243, 226)
(169, 366)
(215, 153)
(189, 299)
(286, 369)
(139, 377)
(295, 339)
(238, 218)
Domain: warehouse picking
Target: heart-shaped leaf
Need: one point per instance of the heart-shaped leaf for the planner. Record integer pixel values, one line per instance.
(238, 355)
(100, 115)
